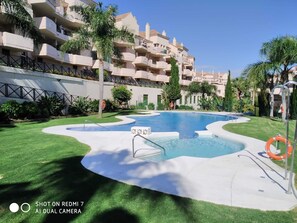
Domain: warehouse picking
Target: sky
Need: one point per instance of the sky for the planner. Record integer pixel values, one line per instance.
(222, 34)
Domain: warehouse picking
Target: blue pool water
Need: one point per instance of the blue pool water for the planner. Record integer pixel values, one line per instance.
(203, 147)
(186, 123)
(188, 144)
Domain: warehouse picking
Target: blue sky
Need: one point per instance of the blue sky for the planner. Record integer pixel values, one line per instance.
(222, 34)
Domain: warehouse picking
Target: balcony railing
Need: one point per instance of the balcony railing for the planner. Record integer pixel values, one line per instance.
(27, 63)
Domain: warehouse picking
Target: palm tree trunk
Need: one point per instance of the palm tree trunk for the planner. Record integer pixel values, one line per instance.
(101, 83)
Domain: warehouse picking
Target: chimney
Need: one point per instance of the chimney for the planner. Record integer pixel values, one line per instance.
(147, 31)
(174, 41)
(163, 33)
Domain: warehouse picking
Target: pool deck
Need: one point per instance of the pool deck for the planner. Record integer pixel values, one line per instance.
(245, 179)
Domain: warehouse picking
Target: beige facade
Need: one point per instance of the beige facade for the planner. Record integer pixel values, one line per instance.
(144, 64)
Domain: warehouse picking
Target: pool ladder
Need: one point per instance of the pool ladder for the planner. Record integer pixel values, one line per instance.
(138, 135)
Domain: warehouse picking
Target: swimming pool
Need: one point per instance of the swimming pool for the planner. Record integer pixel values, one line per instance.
(185, 123)
(186, 144)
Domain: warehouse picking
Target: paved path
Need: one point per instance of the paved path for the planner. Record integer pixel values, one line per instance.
(244, 179)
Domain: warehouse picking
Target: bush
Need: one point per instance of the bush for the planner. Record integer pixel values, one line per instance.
(185, 107)
(11, 108)
(94, 105)
(160, 106)
(121, 94)
(3, 117)
(141, 105)
(50, 106)
(29, 110)
(80, 106)
(151, 106)
(111, 106)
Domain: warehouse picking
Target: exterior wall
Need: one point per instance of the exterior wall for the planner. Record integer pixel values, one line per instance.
(130, 22)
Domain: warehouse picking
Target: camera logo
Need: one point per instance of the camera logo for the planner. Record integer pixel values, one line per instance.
(14, 207)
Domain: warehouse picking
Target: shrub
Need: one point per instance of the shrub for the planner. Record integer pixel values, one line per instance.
(50, 106)
(94, 105)
(160, 106)
(111, 106)
(151, 106)
(3, 117)
(11, 108)
(185, 107)
(29, 110)
(80, 106)
(121, 94)
(140, 105)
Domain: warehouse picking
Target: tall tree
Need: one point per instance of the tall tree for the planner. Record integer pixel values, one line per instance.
(205, 89)
(228, 100)
(98, 31)
(279, 56)
(173, 88)
(16, 14)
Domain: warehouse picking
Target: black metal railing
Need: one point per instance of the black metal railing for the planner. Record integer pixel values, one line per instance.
(32, 94)
(27, 63)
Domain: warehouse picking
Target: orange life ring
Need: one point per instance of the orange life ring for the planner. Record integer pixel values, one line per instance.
(274, 156)
(103, 104)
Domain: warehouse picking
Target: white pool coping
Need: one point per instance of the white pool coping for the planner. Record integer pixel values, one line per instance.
(245, 179)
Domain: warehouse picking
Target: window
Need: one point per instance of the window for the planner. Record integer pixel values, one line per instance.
(194, 99)
(190, 99)
(186, 100)
(145, 99)
(181, 100)
(158, 99)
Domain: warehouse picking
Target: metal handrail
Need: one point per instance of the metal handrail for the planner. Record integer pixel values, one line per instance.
(133, 147)
(94, 123)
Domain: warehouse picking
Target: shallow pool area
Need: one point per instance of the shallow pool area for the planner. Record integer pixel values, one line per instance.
(202, 146)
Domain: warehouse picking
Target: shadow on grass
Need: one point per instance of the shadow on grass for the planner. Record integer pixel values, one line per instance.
(72, 182)
(7, 126)
(117, 214)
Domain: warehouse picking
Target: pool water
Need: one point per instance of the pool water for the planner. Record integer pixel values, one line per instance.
(202, 146)
(185, 123)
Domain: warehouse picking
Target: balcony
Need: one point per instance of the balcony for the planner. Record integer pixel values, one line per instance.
(152, 64)
(123, 72)
(162, 78)
(46, 26)
(187, 72)
(162, 65)
(106, 66)
(82, 60)
(168, 67)
(49, 51)
(141, 61)
(15, 41)
(140, 74)
(128, 56)
(184, 82)
(141, 48)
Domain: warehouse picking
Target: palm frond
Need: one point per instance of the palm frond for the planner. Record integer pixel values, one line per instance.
(80, 41)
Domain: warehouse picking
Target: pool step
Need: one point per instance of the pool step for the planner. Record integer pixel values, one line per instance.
(204, 133)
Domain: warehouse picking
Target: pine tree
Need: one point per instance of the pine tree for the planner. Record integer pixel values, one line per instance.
(173, 88)
(228, 95)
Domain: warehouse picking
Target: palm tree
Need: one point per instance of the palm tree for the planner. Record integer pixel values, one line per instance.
(98, 31)
(280, 55)
(16, 13)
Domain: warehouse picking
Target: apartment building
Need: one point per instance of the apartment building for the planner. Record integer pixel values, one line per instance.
(144, 66)
(56, 23)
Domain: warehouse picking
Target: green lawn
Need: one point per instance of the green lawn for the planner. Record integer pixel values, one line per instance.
(38, 167)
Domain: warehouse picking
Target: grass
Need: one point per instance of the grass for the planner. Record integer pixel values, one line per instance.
(38, 167)
(263, 129)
